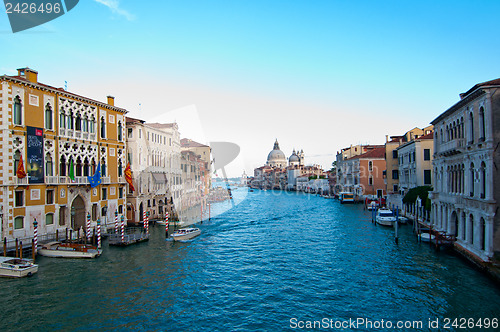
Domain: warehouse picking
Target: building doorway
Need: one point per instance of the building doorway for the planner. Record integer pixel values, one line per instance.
(78, 213)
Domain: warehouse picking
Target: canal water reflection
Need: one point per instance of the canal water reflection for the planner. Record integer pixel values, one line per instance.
(275, 256)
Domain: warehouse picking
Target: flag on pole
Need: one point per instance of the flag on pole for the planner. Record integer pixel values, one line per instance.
(95, 179)
(128, 177)
(72, 170)
(21, 173)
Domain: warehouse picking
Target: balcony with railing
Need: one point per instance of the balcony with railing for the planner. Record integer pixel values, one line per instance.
(51, 180)
(22, 181)
(451, 147)
(106, 180)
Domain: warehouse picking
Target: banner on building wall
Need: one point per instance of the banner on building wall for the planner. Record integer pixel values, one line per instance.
(34, 163)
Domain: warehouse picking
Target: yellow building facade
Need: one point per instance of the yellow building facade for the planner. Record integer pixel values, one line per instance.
(61, 138)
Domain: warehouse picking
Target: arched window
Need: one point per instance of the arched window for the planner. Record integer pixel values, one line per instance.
(18, 111)
(78, 170)
(462, 135)
(69, 165)
(447, 133)
(78, 122)
(70, 120)
(370, 166)
(17, 157)
(48, 117)
(464, 222)
(471, 181)
(471, 128)
(471, 229)
(482, 125)
(92, 125)
(49, 219)
(62, 119)
(103, 128)
(441, 135)
(483, 180)
(482, 234)
(103, 167)
(49, 171)
(120, 168)
(454, 131)
(62, 166)
(86, 167)
(120, 136)
(19, 223)
(85, 124)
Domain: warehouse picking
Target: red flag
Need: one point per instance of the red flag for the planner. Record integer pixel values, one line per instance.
(20, 169)
(128, 177)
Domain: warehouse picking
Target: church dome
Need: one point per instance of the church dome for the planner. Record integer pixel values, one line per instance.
(294, 158)
(276, 157)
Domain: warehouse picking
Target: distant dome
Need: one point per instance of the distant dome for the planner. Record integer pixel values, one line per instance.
(276, 157)
(294, 158)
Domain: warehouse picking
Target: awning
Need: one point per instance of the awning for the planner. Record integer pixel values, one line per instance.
(159, 177)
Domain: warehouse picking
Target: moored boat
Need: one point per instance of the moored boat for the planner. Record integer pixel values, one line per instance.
(185, 234)
(16, 267)
(346, 197)
(385, 217)
(69, 250)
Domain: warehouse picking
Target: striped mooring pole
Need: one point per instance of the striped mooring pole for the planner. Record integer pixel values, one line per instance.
(99, 233)
(35, 233)
(146, 223)
(144, 219)
(116, 222)
(88, 227)
(123, 229)
(166, 222)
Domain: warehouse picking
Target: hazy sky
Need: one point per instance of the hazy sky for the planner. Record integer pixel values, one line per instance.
(316, 75)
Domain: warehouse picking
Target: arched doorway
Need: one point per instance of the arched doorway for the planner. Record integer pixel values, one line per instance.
(78, 213)
(130, 214)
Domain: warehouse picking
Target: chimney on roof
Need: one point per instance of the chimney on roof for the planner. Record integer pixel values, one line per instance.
(386, 138)
(29, 74)
(111, 101)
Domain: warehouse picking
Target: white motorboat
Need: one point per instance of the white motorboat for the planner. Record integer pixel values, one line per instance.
(185, 234)
(402, 220)
(426, 237)
(385, 217)
(69, 250)
(16, 267)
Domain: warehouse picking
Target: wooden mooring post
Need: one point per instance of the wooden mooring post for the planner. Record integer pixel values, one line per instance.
(57, 235)
(17, 248)
(396, 226)
(33, 251)
(5, 247)
(21, 249)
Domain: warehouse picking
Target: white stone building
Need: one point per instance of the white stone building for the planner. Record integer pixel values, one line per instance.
(467, 182)
(154, 156)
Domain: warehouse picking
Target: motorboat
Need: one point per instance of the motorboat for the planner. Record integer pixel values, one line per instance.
(17, 267)
(402, 220)
(69, 250)
(346, 197)
(372, 206)
(385, 217)
(185, 234)
(426, 237)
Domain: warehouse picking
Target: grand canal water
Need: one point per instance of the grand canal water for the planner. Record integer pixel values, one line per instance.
(272, 258)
